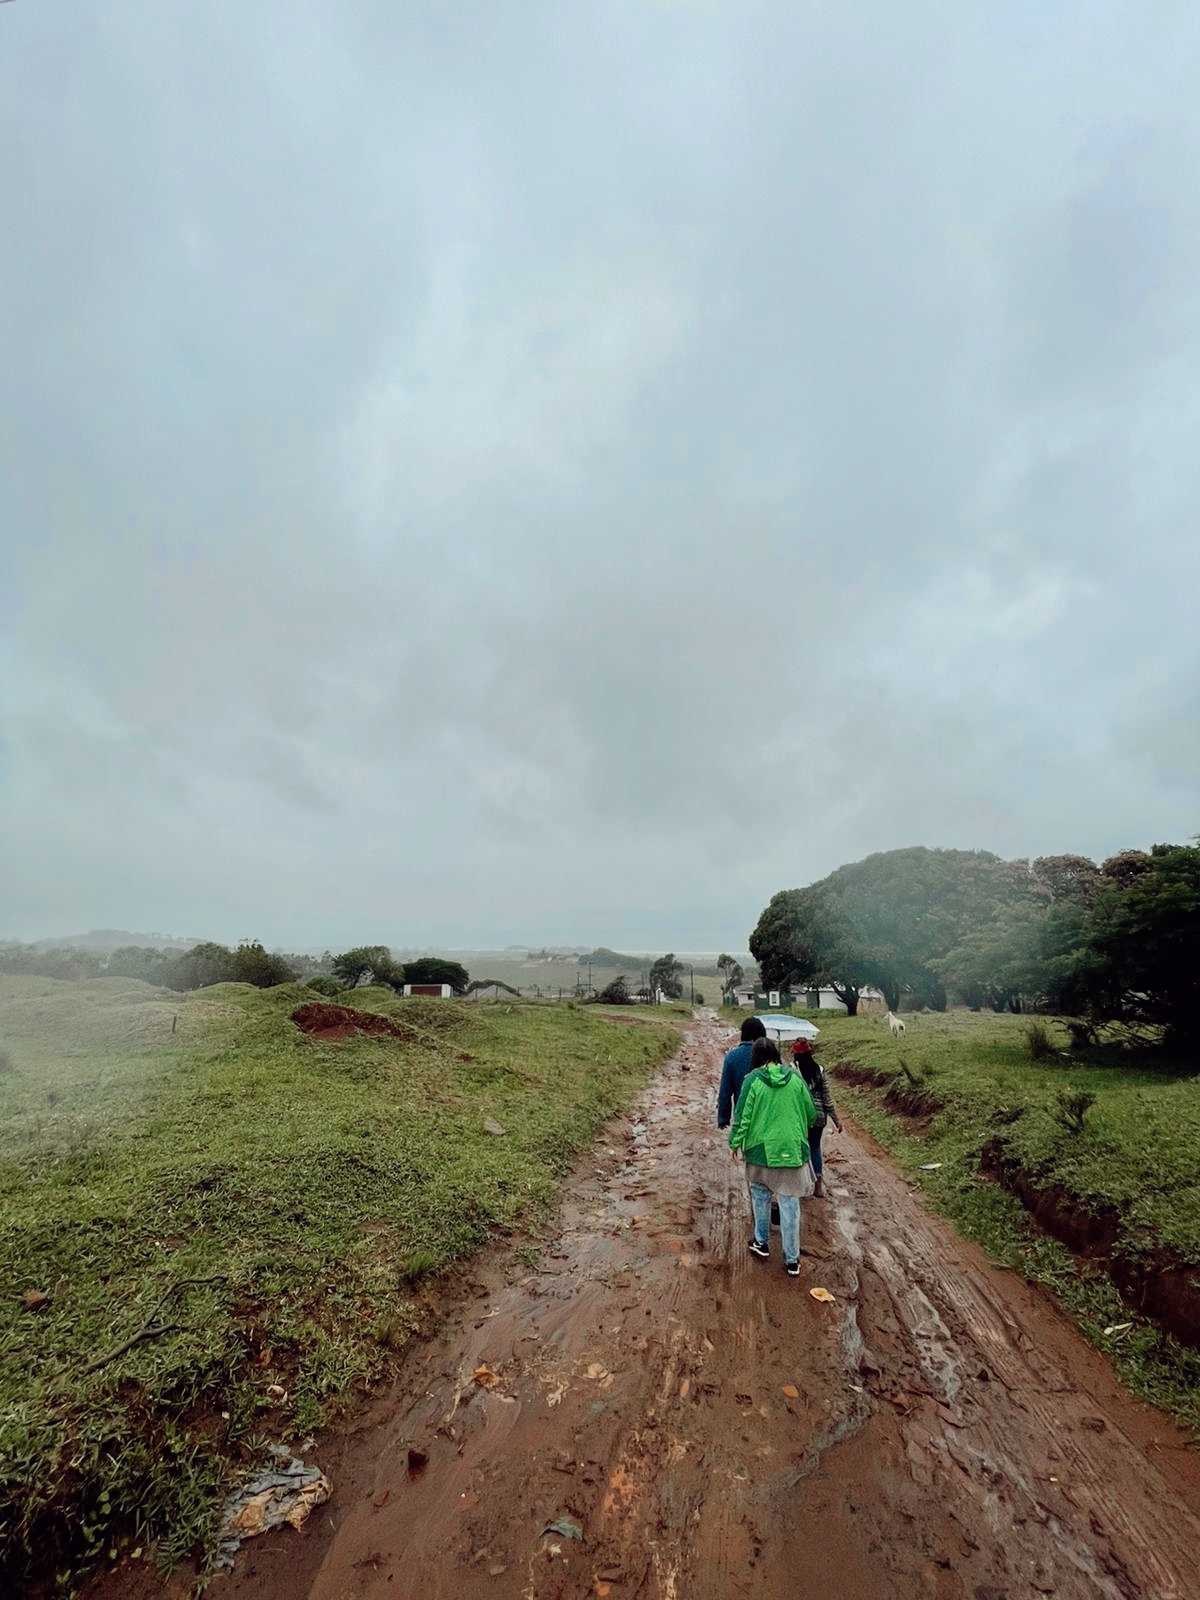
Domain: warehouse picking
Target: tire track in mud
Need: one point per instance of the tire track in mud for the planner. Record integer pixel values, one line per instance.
(1008, 1419)
(710, 1430)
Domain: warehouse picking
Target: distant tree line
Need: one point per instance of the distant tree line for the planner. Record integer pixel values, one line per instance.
(1115, 942)
(249, 962)
(602, 956)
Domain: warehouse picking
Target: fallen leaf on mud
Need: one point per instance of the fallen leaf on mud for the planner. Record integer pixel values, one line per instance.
(823, 1295)
(485, 1377)
(791, 1391)
(556, 1394)
(595, 1370)
(707, 1343)
(567, 1526)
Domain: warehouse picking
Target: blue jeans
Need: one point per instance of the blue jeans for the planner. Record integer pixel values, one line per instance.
(789, 1219)
(814, 1146)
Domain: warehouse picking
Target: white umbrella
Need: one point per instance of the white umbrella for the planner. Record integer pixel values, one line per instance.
(780, 1026)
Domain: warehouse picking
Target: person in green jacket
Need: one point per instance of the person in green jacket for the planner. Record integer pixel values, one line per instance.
(770, 1129)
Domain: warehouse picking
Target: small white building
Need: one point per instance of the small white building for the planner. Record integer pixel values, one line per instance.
(439, 991)
(826, 1000)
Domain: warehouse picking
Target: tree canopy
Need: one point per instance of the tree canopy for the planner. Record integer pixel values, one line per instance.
(367, 963)
(885, 921)
(730, 972)
(1135, 957)
(666, 973)
(209, 963)
(434, 969)
(1114, 943)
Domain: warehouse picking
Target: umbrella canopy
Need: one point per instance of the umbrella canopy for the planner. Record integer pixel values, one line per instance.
(780, 1026)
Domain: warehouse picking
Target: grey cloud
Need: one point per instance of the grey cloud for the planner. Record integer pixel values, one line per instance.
(565, 473)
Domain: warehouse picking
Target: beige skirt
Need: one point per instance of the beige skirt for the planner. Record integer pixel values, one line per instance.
(798, 1181)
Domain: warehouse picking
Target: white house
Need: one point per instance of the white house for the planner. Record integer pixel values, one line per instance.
(826, 1000)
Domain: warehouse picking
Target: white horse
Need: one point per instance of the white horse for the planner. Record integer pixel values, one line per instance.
(895, 1024)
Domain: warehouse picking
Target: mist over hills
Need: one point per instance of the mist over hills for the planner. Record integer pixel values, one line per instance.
(108, 939)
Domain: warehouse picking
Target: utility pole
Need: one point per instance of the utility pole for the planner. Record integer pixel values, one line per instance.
(692, 981)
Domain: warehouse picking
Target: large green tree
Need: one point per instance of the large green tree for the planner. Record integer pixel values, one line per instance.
(730, 972)
(202, 965)
(888, 921)
(137, 961)
(1136, 957)
(367, 963)
(434, 969)
(253, 964)
(801, 938)
(667, 974)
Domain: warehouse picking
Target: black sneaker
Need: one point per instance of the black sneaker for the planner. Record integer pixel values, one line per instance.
(762, 1251)
(793, 1269)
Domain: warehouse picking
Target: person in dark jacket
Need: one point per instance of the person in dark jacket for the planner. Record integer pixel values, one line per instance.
(770, 1129)
(735, 1068)
(813, 1073)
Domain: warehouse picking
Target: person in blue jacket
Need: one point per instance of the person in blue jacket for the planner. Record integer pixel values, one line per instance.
(735, 1068)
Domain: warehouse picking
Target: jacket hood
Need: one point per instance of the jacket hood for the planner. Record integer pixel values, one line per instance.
(776, 1075)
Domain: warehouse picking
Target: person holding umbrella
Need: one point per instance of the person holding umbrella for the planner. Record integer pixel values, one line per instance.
(770, 1129)
(813, 1073)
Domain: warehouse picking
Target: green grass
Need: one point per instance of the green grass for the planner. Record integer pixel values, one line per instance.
(1138, 1154)
(313, 1185)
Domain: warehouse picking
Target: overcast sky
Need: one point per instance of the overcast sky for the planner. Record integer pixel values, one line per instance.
(478, 473)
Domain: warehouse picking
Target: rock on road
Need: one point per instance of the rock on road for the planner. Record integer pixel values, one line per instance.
(650, 1412)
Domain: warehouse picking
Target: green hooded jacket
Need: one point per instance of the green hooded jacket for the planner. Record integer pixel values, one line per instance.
(773, 1116)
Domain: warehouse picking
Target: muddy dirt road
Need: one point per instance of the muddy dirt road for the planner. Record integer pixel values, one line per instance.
(698, 1426)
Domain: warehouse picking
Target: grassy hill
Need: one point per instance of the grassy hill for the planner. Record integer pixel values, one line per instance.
(213, 1228)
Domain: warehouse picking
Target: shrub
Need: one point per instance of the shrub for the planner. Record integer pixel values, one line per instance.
(1070, 1107)
(1039, 1043)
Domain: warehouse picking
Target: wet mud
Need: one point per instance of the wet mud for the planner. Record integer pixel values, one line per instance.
(651, 1412)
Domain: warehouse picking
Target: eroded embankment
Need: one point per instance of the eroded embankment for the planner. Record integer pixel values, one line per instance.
(1156, 1281)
